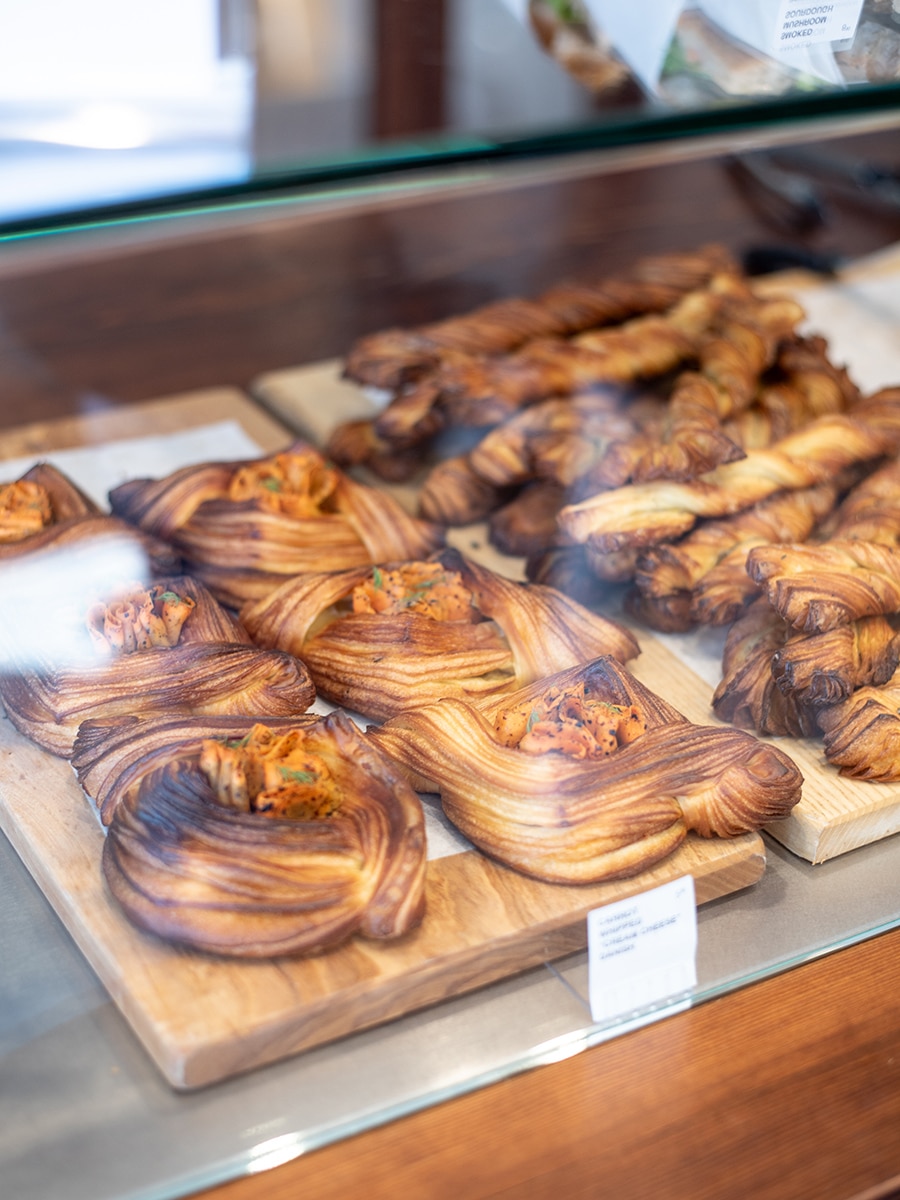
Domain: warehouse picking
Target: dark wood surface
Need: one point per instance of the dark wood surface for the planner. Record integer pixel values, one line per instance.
(786, 1089)
(789, 1090)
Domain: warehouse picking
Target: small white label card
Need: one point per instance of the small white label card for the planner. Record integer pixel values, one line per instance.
(802, 23)
(643, 950)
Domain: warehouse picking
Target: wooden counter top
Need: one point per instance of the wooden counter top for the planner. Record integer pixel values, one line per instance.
(743, 1096)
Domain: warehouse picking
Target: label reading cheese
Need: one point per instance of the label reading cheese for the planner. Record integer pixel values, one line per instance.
(642, 952)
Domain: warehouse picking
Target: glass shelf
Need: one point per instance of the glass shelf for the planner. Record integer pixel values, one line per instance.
(87, 1116)
(311, 94)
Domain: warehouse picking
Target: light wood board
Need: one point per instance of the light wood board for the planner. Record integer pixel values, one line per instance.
(835, 814)
(202, 1018)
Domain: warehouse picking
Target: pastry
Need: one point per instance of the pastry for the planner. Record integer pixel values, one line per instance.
(167, 647)
(380, 640)
(394, 357)
(586, 775)
(275, 842)
(643, 514)
(244, 527)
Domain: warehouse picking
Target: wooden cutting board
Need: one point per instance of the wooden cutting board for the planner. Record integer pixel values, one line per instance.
(835, 814)
(202, 1018)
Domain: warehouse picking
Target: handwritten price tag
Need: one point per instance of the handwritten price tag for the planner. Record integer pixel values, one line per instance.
(642, 951)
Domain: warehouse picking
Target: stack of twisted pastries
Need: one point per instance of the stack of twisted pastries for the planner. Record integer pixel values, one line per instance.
(691, 453)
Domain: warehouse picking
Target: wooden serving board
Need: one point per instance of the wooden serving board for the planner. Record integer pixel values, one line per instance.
(835, 814)
(203, 1018)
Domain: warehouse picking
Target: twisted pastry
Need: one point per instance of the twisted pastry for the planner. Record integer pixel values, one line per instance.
(862, 734)
(825, 668)
(704, 577)
(394, 357)
(578, 807)
(643, 514)
(748, 695)
(482, 392)
(271, 518)
(855, 573)
(440, 627)
(731, 361)
(454, 494)
(206, 864)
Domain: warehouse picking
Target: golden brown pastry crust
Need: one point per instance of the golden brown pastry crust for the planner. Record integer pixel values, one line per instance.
(862, 733)
(825, 668)
(379, 664)
(214, 668)
(748, 694)
(704, 577)
(643, 514)
(347, 524)
(392, 358)
(243, 884)
(571, 820)
(815, 588)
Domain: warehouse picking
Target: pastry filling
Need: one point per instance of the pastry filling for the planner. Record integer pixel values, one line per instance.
(280, 775)
(570, 723)
(293, 485)
(25, 509)
(424, 588)
(138, 618)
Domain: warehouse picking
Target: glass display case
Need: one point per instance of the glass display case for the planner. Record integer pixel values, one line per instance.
(378, 165)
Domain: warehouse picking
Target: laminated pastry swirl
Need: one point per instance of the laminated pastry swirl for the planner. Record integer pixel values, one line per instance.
(380, 640)
(565, 813)
(244, 527)
(132, 656)
(202, 856)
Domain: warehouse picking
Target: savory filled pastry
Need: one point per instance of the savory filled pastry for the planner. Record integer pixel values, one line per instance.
(44, 513)
(244, 527)
(378, 640)
(166, 647)
(586, 775)
(264, 839)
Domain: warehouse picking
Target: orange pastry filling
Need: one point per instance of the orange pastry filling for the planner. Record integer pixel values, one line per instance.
(294, 485)
(424, 588)
(279, 775)
(25, 509)
(569, 723)
(138, 619)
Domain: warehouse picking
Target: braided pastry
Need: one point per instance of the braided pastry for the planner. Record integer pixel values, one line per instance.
(706, 570)
(862, 734)
(643, 514)
(482, 392)
(392, 358)
(747, 694)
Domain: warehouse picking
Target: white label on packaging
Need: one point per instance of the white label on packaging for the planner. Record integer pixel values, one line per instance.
(643, 950)
(806, 23)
